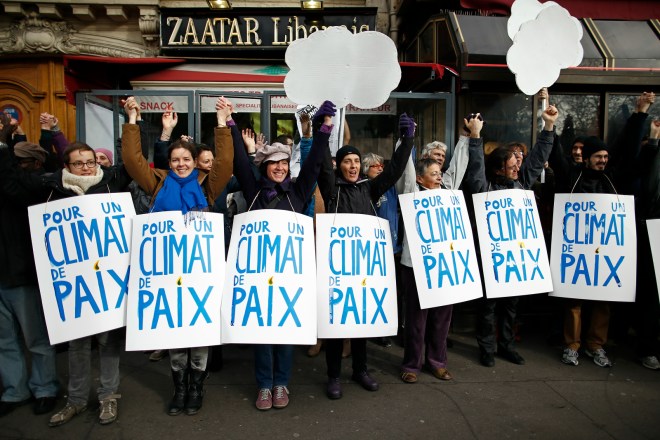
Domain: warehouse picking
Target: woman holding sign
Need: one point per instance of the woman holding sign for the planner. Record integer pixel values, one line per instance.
(346, 190)
(500, 170)
(190, 190)
(276, 190)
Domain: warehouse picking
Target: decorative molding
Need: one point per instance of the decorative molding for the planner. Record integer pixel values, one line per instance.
(150, 29)
(36, 35)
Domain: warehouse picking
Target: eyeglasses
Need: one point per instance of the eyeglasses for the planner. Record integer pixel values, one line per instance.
(379, 165)
(88, 164)
(518, 154)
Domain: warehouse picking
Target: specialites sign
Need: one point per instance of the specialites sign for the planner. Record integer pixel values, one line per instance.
(198, 31)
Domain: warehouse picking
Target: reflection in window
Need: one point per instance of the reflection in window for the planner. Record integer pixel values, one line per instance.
(508, 116)
(578, 116)
(620, 107)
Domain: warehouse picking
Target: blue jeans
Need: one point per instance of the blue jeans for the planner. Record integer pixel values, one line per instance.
(21, 313)
(272, 365)
(80, 366)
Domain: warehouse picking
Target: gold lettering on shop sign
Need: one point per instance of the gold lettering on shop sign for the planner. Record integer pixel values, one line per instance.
(222, 29)
(175, 31)
(252, 30)
(208, 31)
(276, 31)
(235, 31)
(190, 32)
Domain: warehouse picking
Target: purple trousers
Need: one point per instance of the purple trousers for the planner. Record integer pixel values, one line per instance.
(425, 330)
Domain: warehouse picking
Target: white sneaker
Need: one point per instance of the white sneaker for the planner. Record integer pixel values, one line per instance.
(599, 357)
(570, 357)
(651, 362)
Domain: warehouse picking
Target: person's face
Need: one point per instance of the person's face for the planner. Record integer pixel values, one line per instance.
(277, 171)
(181, 162)
(576, 152)
(84, 159)
(518, 154)
(432, 177)
(205, 160)
(29, 163)
(374, 170)
(598, 160)
(438, 155)
(350, 168)
(511, 168)
(102, 159)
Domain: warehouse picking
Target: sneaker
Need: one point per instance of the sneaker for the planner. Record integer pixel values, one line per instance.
(570, 356)
(65, 414)
(280, 396)
(651, 362)
(264, 400)
(599, 357)
(109, 409)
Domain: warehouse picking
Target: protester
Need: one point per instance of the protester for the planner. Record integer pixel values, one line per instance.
(501, 171)
(597, 174)
(276, 190)
(181, 188)
(345, 190)
(22, 325)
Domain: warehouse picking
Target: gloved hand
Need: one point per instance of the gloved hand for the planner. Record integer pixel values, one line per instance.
(406, 126)
(326, 109)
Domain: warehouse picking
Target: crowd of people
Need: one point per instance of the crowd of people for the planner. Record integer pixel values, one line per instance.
(194, 178)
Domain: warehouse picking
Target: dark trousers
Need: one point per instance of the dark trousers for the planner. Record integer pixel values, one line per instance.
(647, 307)
(493, 313)
(333, 349)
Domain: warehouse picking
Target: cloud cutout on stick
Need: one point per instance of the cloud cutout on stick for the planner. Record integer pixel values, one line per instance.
(337, 65)
(523, 11)
(544, 46)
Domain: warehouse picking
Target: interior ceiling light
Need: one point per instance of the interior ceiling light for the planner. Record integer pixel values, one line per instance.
(311, 4)
(219, 4)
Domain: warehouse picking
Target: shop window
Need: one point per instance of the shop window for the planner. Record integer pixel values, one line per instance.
(619, 108)
(579, 115)
(508, 116)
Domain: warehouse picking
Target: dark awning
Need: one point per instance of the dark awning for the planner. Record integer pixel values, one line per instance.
(596, 9)
(626, 52)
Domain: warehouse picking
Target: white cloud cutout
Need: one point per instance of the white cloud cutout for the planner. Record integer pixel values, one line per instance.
(337, 65)
(522, 11)
(544, 46)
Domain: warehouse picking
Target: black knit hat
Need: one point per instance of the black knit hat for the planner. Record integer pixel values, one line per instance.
(345, 151)
(592, 145)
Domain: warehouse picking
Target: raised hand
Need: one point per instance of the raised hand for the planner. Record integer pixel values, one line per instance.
(249, 141)
(550, 115)
(324, 115)
(406, 126)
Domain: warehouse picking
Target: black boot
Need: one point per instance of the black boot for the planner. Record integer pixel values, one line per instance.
(180, 379)
(195, 391)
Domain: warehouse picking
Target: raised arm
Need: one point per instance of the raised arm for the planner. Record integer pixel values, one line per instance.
(221, 171)
(475, 173)
(532, 167)
(134, 161)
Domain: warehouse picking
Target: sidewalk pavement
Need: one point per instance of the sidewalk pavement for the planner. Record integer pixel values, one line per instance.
(543, 399)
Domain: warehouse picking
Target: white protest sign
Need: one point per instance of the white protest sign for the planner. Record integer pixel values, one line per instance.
(356, 279)
(335, 64)
(439, 237)
(270, 295)
(82, 262)
(513, 252)
(176, 281)
(594, 247)
(543, 45)
(653, 227)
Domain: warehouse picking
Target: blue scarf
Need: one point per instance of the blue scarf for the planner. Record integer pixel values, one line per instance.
(180, 194)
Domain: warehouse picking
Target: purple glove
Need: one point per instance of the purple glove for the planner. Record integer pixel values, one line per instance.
(406, 126)
(326, 109)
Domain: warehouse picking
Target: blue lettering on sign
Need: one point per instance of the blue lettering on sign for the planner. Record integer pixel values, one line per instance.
(162, 308)
(586, 268)
(511, 224)
(358, 309)
(594, 228)
(253, 305)
(173, 254)
(440, 224)
(357, 257)
(86, 291)
(78, 237)
(261, 253)
(453, 269)
(515, 263)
